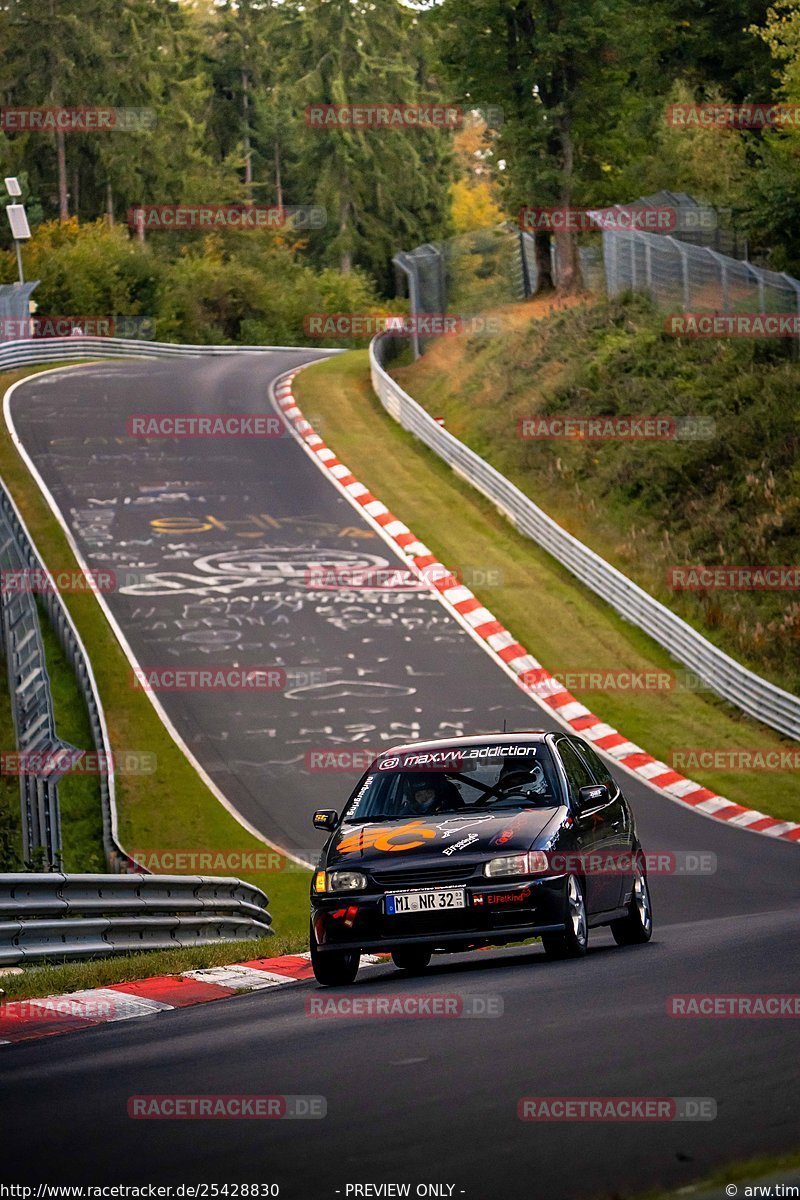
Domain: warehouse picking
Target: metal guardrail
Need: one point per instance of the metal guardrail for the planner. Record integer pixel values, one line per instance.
(56, 916)
(728, 678)
(47, 350)
(30, 696)
(31, 700)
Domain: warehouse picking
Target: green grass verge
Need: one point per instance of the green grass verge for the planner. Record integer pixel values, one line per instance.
(171, 809)
(751, 1170)
(729, 496)
(558, 620)
(53, 979)
(78, 795)
(10, 814)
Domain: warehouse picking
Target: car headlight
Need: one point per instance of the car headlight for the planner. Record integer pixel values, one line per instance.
(532, 863)
(346, 881)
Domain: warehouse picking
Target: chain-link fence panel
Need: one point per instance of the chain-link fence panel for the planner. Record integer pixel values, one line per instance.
(467, 275)
(685, 277)
(15, 309)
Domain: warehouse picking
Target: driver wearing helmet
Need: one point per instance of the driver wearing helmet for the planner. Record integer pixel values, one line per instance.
(429, 793)
(527, 778)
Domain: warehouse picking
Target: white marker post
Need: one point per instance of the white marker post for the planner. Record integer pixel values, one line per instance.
(18, 220)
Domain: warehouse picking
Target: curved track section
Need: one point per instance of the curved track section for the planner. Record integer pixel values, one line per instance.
(217, 537)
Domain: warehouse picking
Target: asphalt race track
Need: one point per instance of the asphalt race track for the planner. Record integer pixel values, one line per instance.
(217, 536)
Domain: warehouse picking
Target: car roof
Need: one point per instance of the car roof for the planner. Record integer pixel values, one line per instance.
(478, 739)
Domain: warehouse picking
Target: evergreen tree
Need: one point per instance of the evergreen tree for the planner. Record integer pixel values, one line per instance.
(383, 189)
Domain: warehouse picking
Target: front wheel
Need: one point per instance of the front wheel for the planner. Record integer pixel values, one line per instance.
(334, 968)
(574, 940)
(413, 959)
(637, 927)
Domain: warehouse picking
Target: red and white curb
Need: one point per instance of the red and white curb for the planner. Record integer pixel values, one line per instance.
(529, 674)
(27, 1020)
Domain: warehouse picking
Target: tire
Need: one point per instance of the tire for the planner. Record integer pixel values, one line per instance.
(412, 959)
(637, 927)
(574, 941)
(334, 968)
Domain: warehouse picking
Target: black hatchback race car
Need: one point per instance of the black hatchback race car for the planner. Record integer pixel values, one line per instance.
(450, 845)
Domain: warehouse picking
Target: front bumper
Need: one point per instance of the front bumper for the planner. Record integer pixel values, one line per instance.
(495, 912)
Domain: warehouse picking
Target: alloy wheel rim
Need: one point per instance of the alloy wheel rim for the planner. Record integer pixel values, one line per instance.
(577, 911)
(641, 898)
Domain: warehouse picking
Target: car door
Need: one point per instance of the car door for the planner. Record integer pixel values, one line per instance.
(593, 827)
(620, 830)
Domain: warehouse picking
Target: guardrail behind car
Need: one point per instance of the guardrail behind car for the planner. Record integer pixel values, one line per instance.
(56, 916)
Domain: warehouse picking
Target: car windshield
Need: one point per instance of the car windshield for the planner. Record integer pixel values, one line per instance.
(456, 779)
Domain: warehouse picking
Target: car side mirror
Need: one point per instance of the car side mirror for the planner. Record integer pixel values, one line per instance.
(326, 818)
(592, 795)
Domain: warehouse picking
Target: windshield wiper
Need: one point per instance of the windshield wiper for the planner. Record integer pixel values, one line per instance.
(514, 802)
(356, 819)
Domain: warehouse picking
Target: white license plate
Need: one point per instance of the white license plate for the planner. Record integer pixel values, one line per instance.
(439, 900)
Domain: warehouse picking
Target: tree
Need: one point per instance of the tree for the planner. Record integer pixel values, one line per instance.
(247, 40)
(382, 189)
(564, 72)
(51, 53)
(138, 54)
(711, 47)
(773, 218)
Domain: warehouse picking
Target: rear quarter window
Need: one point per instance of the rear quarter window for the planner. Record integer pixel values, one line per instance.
(578, 774)
(596, 766)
